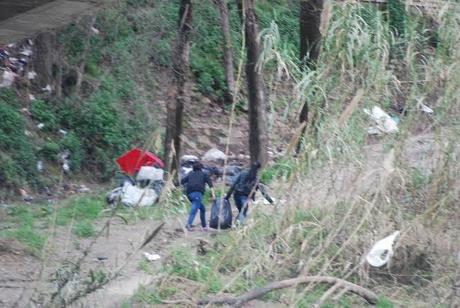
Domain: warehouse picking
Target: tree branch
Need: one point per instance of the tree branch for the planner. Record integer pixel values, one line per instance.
(238, 301)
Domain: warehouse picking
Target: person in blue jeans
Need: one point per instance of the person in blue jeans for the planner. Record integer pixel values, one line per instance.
(244, 188)
(195, 183)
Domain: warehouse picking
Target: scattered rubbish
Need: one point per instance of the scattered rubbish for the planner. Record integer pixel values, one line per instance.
(40, 166)
(150, 173)
(152, 256)
(385, 123)
(31, 75)
(141, 182)
(114, 196)
(132, 161)
(32, 97)
(64, 158)
(26, 52)
(214, 155)
(66, 166)
(134, 196)
(95, 31)
(12, 45)
(30, 42)
(83, 189)
(47, 88)
(40, 125)
(373, 131)
(27, 133)
(7, 79)
(221, 214)
(26, 111)
(25, 195)
(425, 108)
(102, 258)
(63, 132)
(382, 251)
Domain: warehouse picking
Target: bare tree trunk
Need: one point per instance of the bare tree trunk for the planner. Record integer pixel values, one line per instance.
(228, 54)
(310, 39)
(180, 69)
(258, 140)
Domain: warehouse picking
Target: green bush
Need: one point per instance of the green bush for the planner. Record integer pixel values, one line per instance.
(16, 151)
(50, 151)
(43, 113)
(82, 208)
(84, 229)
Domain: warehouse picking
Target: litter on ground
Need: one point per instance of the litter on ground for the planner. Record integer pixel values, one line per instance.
(384, 123)
(382, 251)
(152, 256)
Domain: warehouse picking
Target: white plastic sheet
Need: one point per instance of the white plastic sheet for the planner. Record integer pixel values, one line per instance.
(150, 173)
(383, 121)
(134, 196)
(382, 251)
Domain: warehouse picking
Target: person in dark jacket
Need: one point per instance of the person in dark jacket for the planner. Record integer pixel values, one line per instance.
(195, 185)
(244, 188)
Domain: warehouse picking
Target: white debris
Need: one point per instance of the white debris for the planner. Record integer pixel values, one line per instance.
(47, 88)
(214, 155)
(26, 52)
(39, 166)
(27, 133)
(134, 196)
(40, 125)
(11, 45)
(95, 31)
(7, 79)
(384, 122)
(83, 189)
(63, 132)
(186, 171)
(189, 158)
(373, 131)
(152, 256)
(425, 108)
(30, 42)
(31, 75)
(150, 173)
(66, 166)
(32, 97)
(382, 251)
(25, 111)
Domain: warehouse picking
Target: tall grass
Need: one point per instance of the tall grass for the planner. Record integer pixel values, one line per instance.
(348, 189)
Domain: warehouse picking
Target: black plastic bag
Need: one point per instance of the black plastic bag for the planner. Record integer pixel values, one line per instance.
(221, 213)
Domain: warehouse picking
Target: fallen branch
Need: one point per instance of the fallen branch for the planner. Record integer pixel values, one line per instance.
(238, 301)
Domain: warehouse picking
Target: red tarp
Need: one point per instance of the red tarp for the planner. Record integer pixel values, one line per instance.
(132, 161)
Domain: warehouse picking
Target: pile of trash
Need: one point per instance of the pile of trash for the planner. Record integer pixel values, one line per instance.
(213, 161)
(13, 63)
(143, 175)
(142, 182)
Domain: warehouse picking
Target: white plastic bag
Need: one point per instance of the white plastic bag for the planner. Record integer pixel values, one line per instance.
(134, 196)
(150, 173)
(384, 122)
(382, 251)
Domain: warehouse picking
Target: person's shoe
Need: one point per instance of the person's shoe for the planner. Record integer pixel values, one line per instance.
(204, 229)
(189, 227)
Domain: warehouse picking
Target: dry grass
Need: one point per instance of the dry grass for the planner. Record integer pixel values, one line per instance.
(348, 189)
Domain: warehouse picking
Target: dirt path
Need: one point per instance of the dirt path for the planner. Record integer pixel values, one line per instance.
(116, 253)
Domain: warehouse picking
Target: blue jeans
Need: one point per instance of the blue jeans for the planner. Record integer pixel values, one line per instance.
(196, 197)
(241, 202)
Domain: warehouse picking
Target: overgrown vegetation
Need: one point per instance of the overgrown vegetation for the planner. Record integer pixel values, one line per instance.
(346, 189)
